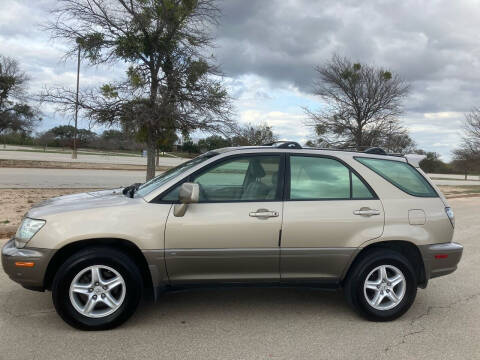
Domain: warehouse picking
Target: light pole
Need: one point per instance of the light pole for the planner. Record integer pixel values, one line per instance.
(74, 153)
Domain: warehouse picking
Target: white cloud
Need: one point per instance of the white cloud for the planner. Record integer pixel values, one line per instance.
(268, 50)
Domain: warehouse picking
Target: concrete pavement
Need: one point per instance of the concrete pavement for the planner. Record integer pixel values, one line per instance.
(444, 322)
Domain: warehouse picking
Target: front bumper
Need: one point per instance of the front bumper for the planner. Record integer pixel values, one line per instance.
(30, 278)
(441, 259)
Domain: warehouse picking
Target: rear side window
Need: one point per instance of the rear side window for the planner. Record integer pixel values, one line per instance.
(401, 174)
(359, 190)
(318, 178)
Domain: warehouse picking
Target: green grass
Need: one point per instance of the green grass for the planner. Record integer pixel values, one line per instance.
(5, 222)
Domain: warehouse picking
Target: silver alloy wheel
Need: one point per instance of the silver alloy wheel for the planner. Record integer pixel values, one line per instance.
(97, 291)
(384, 287)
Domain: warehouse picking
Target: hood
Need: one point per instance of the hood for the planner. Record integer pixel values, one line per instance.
(82, 201)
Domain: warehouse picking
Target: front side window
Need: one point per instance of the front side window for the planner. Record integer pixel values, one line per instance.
(318, 178)
(250, 178)
(161, 179)
(401, 174)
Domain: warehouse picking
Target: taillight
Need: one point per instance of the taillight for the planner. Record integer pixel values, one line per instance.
(450, 215)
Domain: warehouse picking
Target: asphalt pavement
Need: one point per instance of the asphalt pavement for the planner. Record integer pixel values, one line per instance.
(68, 178)
(264, 323)
(14, 153)
(81, 178)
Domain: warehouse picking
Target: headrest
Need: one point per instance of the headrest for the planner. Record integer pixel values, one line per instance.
(256, 169)
(275, 178)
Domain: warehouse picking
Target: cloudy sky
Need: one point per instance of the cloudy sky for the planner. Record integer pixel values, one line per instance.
(268, 49)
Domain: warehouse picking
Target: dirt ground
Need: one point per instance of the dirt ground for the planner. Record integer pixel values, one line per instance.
(460, 191)
(16, 202)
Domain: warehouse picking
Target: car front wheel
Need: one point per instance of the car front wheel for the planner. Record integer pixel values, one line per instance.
(97, 289)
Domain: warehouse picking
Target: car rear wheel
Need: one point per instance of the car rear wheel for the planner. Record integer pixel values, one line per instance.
(382, 285)
(97, 289)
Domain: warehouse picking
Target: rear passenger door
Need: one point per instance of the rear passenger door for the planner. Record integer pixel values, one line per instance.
(329, 211)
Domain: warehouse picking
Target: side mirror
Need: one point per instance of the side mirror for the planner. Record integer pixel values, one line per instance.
(188, 194)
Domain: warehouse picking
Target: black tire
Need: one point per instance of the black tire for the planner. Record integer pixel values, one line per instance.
(91, 256)
(354, 286)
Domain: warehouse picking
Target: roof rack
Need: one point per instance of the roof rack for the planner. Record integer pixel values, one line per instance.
(295, 145)
(285, 145)
(375, 150)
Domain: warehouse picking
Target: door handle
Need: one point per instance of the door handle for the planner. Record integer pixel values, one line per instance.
(263, 213)
(366, 212)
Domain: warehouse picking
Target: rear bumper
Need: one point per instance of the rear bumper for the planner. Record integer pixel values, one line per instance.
(441, 259)
(29, 277)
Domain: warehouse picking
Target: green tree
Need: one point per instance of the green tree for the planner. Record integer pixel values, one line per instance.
(213, 142)
(250, 135)
(16, 115)
(363, 102)
(114, 139)
(113, 134)
(432, 163)
(171, 85)
(63, 136)
(190, 147)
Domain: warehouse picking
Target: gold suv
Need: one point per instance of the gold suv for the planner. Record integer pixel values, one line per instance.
(369, 222)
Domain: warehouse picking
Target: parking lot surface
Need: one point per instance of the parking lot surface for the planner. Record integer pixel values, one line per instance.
(263, 323)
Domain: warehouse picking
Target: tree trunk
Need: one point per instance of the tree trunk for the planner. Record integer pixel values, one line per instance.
(359, 138)
(151, 147)
(157, 163)
(151, 139)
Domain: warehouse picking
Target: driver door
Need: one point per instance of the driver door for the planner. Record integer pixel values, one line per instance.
(231, 235)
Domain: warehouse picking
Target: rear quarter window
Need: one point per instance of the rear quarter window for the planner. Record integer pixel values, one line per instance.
(401, 174)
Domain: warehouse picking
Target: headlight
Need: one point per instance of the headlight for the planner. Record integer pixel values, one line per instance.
(450, 215)
(27, 229)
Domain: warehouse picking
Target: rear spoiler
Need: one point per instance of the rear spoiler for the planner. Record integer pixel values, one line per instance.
(415, 159)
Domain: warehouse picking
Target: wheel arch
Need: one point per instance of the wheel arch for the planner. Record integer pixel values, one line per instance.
(406, 248)
(125, 246)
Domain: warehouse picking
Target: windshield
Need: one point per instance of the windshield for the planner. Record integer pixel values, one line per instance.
(163, 178)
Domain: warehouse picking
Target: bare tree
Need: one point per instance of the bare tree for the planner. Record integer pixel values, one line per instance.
(171, 84)
(393, 138)
(361, 101)
(15, 113)
(472, 129)
(467, 156)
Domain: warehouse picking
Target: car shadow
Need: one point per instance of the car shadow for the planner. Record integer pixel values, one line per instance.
(240, 303)
(205, 305)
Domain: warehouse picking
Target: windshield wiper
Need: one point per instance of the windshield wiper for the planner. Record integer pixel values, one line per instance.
(131, 189)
